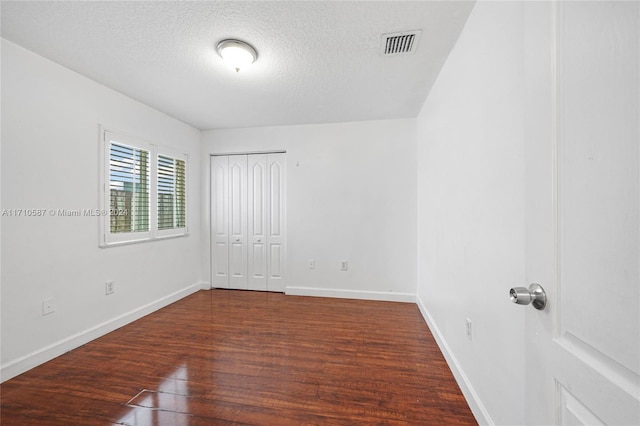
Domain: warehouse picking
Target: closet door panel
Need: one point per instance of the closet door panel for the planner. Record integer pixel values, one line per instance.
(238, 221)
(276, 222)
(220, 222)
(257, 194)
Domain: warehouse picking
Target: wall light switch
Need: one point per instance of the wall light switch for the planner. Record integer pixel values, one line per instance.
(109, 287)
(311, 263)
(344, 265)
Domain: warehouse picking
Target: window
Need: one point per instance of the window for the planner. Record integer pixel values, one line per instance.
(128, 189)
(171, 193)
(144, 191)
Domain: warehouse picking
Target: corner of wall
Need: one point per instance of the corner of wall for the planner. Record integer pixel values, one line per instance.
(473, 399)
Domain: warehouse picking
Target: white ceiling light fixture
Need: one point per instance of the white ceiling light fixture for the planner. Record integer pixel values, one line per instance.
(236, 53)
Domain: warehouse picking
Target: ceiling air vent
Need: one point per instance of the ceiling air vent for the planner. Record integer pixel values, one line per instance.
(403, 43)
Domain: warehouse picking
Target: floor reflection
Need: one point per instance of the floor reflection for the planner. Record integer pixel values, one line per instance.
(166, 405)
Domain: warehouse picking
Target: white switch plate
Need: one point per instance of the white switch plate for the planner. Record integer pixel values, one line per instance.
(469, 329)
(344, 265)
(109, 287)
(311, 263)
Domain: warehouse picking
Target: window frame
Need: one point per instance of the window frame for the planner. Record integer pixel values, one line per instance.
(109, 239)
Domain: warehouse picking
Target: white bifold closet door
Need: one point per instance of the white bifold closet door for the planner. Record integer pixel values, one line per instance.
(247, 220)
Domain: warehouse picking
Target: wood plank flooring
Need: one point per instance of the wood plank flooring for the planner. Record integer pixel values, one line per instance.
(248, 358)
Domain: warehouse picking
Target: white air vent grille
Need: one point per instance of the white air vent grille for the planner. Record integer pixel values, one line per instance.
(403, 43)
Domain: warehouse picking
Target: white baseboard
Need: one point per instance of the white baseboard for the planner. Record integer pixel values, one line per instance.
(40, 356)
(205, 286)
(475, 404)
(351, 294)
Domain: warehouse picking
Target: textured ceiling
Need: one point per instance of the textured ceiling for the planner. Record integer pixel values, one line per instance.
(319, 61)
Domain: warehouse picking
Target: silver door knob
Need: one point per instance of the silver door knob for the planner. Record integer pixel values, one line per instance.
(534, 294)
(259, 240)
(237, 240)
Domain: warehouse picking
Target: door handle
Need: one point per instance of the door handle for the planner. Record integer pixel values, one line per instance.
(534, 294)
(237, 240)
(259, 240)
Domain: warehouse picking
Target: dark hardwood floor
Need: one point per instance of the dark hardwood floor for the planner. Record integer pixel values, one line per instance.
(239, 357)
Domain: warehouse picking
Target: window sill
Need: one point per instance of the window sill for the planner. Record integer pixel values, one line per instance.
(144, 240)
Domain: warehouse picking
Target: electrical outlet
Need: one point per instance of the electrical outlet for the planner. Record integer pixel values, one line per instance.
(109, 287)
(344, 265)
(48, 307)
(469, 329)
(311, 263)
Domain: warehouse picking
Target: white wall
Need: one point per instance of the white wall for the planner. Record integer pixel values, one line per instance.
(50, 142)
(471, 210)
(351, 191)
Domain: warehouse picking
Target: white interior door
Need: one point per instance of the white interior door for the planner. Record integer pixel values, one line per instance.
(583, 226)
(248, 208)
(220, 222)
(257, 193)
(276, 222)
(238, 222)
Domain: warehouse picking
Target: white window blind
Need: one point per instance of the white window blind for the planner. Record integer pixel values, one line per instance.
(171, 193)
(129, 189)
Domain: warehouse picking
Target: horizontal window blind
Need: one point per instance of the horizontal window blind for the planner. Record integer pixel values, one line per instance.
(171, 193)
(181, 194)
(129, 189)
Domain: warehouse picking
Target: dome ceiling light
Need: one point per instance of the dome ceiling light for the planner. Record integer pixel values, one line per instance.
(237, 54)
